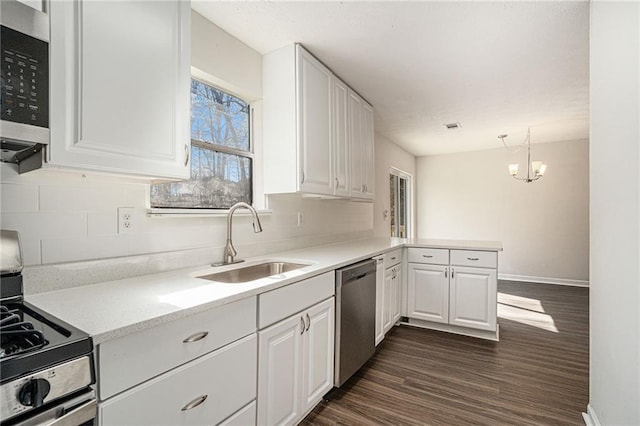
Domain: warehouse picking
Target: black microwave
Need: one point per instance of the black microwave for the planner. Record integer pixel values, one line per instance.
(24, 91)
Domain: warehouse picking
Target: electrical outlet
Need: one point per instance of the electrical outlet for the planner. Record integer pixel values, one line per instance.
(126, 220)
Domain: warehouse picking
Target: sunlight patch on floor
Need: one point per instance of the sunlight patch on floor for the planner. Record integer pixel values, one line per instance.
(520, 302)
(525, 311)
(523, 316)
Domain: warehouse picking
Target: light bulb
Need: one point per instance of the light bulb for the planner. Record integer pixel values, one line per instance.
(513, 169)
(535, 166)
(543, 168)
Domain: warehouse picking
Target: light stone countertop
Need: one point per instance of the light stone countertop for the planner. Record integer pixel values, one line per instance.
(116, 308)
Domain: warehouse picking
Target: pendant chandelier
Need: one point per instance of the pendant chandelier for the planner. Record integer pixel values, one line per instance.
(535, 169)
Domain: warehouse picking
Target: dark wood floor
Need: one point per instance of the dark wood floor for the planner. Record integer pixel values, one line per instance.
(538, 374)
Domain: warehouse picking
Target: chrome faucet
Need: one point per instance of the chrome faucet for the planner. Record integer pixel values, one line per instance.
(229, 251)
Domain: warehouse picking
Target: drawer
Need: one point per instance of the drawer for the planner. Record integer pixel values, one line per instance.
(482, 259)
(392, 258)
(137, 357)
(226, 377)
(429, 255)
(245, 417)
(283, 302)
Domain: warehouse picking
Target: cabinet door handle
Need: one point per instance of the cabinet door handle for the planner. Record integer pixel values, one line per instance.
(308, 323)
(195, 337)
(445, 273)
(452, 273)
(304, 325)
(186, 154)
(427, 256)
(473, 258)
(193, 404)
(302, 177)
(337, 183)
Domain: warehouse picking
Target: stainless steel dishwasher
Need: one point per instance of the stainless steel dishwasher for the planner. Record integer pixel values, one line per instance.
(355, 318)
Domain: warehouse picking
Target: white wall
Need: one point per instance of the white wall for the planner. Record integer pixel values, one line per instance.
(65, 218)
(615, 213)
(544, 225)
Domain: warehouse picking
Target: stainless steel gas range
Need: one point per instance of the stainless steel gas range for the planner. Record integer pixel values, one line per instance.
(46, 365)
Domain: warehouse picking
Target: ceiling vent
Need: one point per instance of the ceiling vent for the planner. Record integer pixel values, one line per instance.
(451, 126)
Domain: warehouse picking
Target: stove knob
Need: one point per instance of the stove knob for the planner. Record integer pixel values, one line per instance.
(33, 393)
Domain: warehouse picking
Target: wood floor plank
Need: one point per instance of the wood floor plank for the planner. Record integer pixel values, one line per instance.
(538, 374)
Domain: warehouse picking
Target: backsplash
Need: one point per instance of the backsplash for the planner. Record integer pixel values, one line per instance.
(68, 223)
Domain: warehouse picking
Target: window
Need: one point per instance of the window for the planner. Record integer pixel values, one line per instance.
(221, 154)
(400, 202)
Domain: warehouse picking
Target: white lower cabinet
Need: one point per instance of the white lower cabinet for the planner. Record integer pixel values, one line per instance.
(204, 391)
(450, 293)
(387, 298)
(473, 298)
(295, 367)
(388, 292)
(428, 292)
(380, 305)
(396, 294)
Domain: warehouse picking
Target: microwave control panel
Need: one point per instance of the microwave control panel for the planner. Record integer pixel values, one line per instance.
(25, 78)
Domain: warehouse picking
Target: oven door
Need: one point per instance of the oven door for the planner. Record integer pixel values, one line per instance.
(79, 410)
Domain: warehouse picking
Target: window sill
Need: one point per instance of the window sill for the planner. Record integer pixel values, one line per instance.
(157, 212)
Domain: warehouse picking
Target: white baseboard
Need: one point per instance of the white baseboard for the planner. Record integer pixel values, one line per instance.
(590, 418)
(544, 280)
(480, 334)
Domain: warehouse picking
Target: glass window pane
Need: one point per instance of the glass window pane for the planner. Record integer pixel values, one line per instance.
(218, 180)
(218, 118)
(393, 184)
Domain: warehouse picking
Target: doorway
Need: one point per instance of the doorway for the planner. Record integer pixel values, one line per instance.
(400, 203)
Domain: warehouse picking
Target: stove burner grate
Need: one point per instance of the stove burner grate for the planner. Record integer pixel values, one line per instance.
(17, 336)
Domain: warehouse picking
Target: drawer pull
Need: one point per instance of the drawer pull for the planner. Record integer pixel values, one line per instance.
(195, 337)
(193, 404)
(393, 258)
(428, 256)
(473, 258)
(304, 325)
(308, 323)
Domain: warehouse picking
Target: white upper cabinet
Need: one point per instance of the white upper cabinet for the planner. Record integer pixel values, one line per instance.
(362, 147)
(341, 154)
(368, 152)
(314, 87)
(120, 77)
(313, 134)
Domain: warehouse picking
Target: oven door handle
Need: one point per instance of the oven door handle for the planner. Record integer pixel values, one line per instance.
(78, 416)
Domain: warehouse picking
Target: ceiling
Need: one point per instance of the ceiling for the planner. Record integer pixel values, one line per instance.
(494, 67)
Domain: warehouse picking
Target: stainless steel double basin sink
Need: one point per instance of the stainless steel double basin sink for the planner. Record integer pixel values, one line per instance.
(249, 273)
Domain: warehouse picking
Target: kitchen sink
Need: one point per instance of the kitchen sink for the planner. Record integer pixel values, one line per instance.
(253, 272)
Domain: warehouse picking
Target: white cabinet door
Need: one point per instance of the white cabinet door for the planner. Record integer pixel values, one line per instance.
(380, 300)
(120, 77)
(388, 301)
(356, 143)
(279, 372)
(342, 167)
(473, 298)
(396, 289)
(368, 152)
(428, 292)
(318, 353)
(314, 124)
(202, 392)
